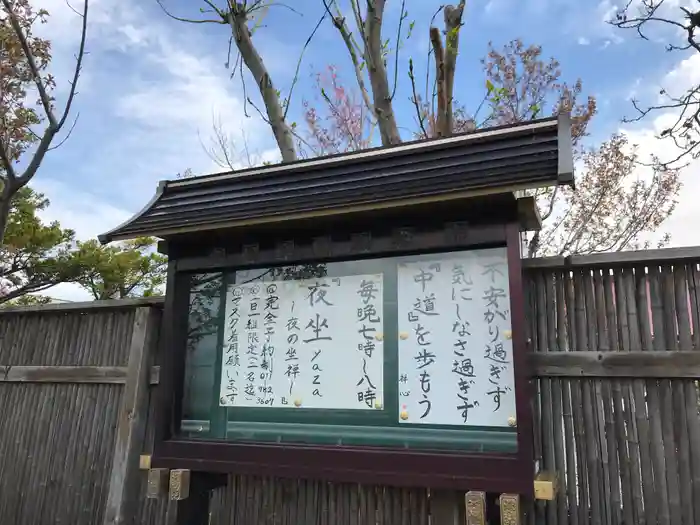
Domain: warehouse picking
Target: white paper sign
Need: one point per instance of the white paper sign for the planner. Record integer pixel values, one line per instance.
(455, 349)
(315, 343)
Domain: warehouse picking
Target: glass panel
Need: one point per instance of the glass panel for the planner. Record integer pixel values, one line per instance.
(323, 353)
(204, 325)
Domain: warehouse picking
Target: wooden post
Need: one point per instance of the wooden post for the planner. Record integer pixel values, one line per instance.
(192, 507)
(124, 481)
(447, 507)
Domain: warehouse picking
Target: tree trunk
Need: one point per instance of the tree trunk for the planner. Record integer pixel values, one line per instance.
(254, 63)
(441, 120)
(533, 245)
(4, 216)
(376, 69)
(453, 23)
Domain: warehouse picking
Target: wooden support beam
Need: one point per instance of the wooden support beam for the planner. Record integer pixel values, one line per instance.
(107, 375)
(158, 483)
(529, 217)
(447, 507)
(652, 364)
(194, 509)
(122, 496)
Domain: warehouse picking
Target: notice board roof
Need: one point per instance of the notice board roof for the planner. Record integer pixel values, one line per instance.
(492, 160)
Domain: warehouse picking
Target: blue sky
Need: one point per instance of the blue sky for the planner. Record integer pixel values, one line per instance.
(151, 88)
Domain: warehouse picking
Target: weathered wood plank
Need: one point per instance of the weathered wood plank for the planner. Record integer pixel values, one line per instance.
(691, 389)
(656, 443)
(579, 445)
(563, 339)
(122, 495)
(686, 407)
(652, 364)
(108, 375)
(611, 469)
(665, 336)
(624, 282)
(446, 507)
(551, 411)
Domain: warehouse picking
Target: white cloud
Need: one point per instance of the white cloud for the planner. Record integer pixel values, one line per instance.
(157, 89)
(148, 93)
(683, 76)
(590, 22)
(77, 209)
(682, 225)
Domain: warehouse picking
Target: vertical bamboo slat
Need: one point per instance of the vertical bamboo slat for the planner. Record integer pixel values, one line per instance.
(665, 321)
(583, 327)
(609, 459)
(546, 398)
(638, 402)
(567, 410)
(559, 466)
(691, 387)
(577, 404)
(623, 460)
(686, 400)
(632, 441)
(656, 444)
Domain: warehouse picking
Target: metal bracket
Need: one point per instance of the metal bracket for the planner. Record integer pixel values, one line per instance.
(145, 462)
(476, 508)
(179, 484)
(510, 509)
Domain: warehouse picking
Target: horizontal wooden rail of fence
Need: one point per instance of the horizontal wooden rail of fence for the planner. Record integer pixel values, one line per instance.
(615, 349)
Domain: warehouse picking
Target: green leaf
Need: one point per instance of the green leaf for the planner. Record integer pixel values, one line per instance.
(489, 86)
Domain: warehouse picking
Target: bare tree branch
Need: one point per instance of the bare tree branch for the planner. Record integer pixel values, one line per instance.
(301, 56)
(267, 121)
(70, 132)
(353, 139)
(416, 101)
(373, 54)
(270, 95)
(221, 20)
(341, 26)
(439, 55)
(685, 132)
(398, 44)
(22, 38)
(244, 17)
(430, 52)
(54, 124)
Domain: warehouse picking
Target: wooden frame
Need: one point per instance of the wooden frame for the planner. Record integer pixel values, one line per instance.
(399, 467)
